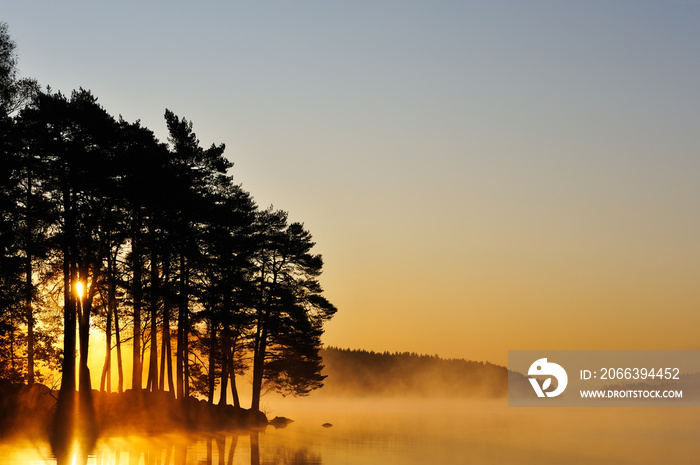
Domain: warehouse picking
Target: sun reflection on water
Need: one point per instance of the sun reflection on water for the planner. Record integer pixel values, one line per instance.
(408, 433)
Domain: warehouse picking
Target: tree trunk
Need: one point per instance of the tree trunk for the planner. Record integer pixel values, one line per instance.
(260, 344)
(232, 371)
(186, 358)
(112, 314)
(106, 377)
(234, 388)
(29, 291)
(62, 427)
(182, 351)
(167, 357)
(86, 406)
(225, 361)
(120, 367)
(163, 353)
(13, 369)
(152, 383)
(165, 326)
(212, 360)
(169, 360)
(29, 286)
(258, 366)
(136, 381)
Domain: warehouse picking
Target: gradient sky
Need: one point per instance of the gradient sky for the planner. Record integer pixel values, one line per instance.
(479, 176)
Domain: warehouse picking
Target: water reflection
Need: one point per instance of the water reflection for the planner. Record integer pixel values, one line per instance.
(241, 448)
(415, 434)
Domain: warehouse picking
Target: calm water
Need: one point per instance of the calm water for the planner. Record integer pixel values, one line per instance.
(418, 432)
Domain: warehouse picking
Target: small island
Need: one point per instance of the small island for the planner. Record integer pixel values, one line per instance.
(150, 250)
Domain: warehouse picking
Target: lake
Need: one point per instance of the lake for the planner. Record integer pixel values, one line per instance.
(416, 432)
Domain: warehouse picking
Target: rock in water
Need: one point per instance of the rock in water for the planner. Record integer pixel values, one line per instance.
(326, 425)
(280, 422)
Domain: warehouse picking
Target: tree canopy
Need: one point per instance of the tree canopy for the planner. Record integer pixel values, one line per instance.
(105, 228)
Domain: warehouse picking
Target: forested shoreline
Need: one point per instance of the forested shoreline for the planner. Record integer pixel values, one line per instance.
(105, 228)
(362, 373)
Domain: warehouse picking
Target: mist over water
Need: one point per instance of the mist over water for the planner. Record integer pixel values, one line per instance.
(455, 431)
(415, 431)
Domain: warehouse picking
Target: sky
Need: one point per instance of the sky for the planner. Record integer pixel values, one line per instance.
(478, 176)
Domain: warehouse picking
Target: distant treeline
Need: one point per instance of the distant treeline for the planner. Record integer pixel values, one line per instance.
(363, 374)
